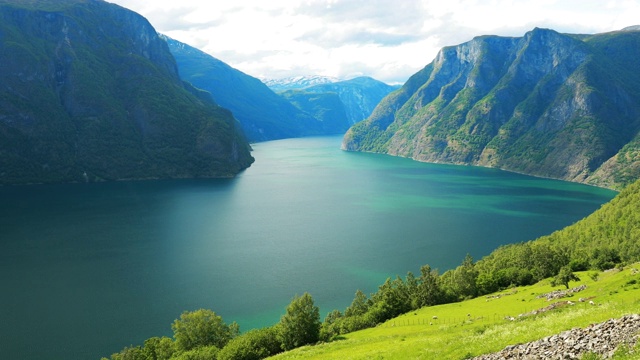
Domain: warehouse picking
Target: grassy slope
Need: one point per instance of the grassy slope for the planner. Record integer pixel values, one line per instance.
(455, 335)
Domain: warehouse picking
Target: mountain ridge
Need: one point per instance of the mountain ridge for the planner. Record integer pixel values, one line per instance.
(263, 114)
(527, 104)
(298, 82)
(91, 93)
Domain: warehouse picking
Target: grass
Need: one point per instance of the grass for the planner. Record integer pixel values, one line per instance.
(479, 326)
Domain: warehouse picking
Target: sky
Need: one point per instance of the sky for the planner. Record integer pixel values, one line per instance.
(389, 40)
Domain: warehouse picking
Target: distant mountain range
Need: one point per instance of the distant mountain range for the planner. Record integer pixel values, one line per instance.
(547, 104)
(359, 96)
(263, 114)
(298, 82)
(318, 106)
(90, 92)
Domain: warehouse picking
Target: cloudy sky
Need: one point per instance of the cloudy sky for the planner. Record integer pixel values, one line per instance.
(385, 39)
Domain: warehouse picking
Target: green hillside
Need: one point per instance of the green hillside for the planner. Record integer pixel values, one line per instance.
(91, 93)
(472, 300)
(546, 104)
(482, 325)
(262, 113)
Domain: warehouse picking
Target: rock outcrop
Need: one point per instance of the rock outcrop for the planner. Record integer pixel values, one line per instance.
(602, 339)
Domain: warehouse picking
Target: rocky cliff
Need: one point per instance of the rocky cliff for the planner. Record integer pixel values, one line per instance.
(546, 104)
(88, 91)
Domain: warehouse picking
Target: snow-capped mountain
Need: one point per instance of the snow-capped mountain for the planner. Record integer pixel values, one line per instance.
(298, 82)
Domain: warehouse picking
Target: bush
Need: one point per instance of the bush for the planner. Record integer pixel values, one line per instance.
(202, 328)
(253, 345)
(199, 353)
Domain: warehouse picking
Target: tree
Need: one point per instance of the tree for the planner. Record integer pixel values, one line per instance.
(428, 288)
(202, 328)
(157, 348)
(253, 345)
(464, 278)
(301, 324)
(564, 276)
(358, 306)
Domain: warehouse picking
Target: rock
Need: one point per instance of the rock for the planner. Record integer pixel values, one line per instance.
(603, 339)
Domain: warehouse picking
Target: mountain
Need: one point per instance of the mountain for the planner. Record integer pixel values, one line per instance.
(298, 82)
(326, 107)
(360, 96)
(263, 114)
(546, 104)
(90, 92)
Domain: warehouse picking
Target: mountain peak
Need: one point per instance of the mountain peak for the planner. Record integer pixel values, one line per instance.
(545, 104)
(298, 82)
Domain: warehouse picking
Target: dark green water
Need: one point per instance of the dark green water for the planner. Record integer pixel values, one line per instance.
(88, 269)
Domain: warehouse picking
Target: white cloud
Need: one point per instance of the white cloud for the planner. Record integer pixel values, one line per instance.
(386, 39)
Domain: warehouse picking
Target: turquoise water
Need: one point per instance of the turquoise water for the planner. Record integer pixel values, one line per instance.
(87, 269)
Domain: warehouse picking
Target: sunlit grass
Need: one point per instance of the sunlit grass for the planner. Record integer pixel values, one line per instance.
(479, 326)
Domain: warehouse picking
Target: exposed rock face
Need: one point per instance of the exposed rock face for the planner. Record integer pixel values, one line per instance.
(603, 339)
(90, 92)
(546, 104)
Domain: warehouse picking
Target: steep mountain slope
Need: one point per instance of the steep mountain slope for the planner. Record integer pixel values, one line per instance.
(90, 92)
(360, 96)
(546, 104)
(326, 107)
(263, 114)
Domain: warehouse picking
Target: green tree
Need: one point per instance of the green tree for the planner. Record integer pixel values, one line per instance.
(129, 353)
(428, 288)
(301, 323)
(564, 277)
(209, 352)
(462, 280)
(358, 306)
(156, 348)
(253, 345)
(202, 328)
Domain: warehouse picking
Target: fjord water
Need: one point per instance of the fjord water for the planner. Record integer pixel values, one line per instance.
(87, 269)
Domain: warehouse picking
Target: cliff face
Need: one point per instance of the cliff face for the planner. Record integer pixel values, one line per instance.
(546, 104)
(90, 92)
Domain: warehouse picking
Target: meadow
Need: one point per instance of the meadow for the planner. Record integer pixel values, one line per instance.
(489, 323)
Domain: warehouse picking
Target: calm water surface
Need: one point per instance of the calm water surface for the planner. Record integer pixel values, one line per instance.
(88, 269)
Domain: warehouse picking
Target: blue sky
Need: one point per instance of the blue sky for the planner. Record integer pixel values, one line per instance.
(386, 39)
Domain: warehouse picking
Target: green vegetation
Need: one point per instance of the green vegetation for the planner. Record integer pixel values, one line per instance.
(203, 335)
(484, 324)
(87, 100)
(262, 114)
(462, 312)
(301, 324)
(325, 107)
(549, 104)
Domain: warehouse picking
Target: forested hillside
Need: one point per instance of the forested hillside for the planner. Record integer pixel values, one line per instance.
(359, 96)
(263, 114)
(91, 93)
